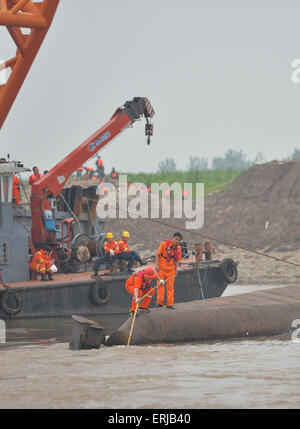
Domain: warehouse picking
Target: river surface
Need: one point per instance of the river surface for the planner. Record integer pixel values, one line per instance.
(248, 373)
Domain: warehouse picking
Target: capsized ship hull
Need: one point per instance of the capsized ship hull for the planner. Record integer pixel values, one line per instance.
(260, 313)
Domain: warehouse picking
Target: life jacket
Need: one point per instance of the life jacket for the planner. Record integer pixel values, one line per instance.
(99, 163)
(171, 252)
(122, 247)
(33, 178)
(109, 246)
(114, 174)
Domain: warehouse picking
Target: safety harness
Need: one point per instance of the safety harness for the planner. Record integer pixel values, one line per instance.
(171, 251)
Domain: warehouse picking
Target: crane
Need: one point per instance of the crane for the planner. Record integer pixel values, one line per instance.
(51, 184)
(27, 22)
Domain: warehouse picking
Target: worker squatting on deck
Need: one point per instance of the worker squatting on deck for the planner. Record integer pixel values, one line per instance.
(43, 263)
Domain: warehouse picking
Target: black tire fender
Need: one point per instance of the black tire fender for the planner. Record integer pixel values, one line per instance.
(5, 305)
(229, 270)
(100, 293)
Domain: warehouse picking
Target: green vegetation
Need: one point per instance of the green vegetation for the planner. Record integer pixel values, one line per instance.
(214, 180)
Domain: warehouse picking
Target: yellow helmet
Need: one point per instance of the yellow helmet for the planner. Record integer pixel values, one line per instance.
(125, 234)
(109, 235)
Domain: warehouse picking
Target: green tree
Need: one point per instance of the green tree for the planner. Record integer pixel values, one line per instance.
(236, 160)
(296, 154)
(197, 164)
(168, 165)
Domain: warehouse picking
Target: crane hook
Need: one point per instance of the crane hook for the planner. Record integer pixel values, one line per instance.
(148, 131)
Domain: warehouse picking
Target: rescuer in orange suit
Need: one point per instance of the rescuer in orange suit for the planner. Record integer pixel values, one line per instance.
(110, 255)
(89, 173)
(35, 176)
(138, 285)
(114, 174)
(16, 190)
(42, 263)
(166, 259)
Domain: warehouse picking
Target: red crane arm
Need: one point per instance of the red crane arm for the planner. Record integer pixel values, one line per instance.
(52, 183)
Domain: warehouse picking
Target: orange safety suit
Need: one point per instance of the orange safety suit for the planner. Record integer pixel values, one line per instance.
(110, 246)
(122, 247)
(41, 262)
(16, 193)
(137, 280)
(168, 257)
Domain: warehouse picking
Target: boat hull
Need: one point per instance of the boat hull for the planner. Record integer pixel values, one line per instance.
(105, 301)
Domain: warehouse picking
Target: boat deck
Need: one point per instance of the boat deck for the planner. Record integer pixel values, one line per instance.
(62, 278)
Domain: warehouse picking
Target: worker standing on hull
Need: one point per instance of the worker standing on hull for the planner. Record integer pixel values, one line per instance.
(139, 284)
(166, 259)
(124, 253)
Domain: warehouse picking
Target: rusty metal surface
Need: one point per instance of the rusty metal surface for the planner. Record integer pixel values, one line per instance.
(266, 312)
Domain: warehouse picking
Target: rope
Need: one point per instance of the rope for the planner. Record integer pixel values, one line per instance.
(226, 243)
(71, 211)
(250, 275)
(200, 283)
(94, 226)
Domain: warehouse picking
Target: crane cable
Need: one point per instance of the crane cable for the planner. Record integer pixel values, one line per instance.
(179, 228)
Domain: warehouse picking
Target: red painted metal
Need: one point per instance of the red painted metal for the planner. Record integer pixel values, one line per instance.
(15, 15)
(53, 182)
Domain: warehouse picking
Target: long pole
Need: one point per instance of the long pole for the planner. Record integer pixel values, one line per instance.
(132, 325)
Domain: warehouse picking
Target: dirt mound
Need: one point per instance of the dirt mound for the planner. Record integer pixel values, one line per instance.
(259, 210)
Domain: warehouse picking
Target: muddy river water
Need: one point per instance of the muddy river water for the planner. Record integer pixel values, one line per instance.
(250, 373)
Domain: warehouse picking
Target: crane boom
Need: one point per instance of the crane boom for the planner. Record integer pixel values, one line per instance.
(52, 183)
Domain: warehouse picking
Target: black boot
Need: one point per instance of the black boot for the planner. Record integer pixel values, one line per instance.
(43, 278)
(50, 277)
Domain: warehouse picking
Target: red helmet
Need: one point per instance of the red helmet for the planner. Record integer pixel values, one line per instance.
(149, 272)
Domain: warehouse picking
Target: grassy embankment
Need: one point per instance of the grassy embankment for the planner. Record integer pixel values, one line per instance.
(214, 180)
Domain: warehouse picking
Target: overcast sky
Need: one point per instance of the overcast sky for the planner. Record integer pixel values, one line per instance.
(218, 74)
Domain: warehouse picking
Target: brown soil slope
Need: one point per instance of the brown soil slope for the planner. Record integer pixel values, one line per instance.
(259, 210)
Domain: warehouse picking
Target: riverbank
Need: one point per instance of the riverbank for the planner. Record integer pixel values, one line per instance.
(262, 270)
